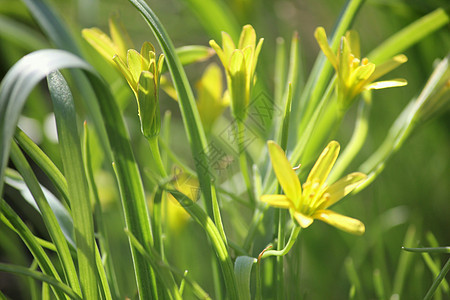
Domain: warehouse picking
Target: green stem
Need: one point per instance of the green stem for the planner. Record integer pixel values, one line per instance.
(243, 159)
(157, 222)
(293, 237)
(437, 281)
(154, 148)
(256, 219)
(356, 142)
(280, 259)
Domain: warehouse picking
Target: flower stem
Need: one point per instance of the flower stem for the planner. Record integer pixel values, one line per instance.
(294, 234)
(243, 159)
(154, 148)
(356, 141)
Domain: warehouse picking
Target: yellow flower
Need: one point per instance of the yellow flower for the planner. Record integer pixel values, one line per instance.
(142, 70)
(312, 201)
(108, 47)
(353, 73)
(211, 101)
(239, 64)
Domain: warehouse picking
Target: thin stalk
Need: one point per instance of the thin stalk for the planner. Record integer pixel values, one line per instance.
(154, 148)
(292, 238)
(157, 222)
(216, 211)
(280, 259)
(437, 281)
(243, 159)
(356, 142)
(256, 219)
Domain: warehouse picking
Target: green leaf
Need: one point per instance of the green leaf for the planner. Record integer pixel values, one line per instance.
(243, 269)
(215, 17)
(41, 277)
(45, 264)
(410, 35)
(70, 149)
(63, 217)
(48, 216)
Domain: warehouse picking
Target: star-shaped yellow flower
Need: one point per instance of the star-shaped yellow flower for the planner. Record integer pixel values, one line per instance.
(313, 199)
(353, 73)
(239, 63)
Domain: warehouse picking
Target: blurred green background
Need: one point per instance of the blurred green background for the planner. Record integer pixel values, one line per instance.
(413, 192)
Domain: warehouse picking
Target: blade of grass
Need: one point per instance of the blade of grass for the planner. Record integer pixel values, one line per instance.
(43, 162)
(23, 36)
(70, 149)
(12, 220)
(410, 35)
(189, 112)
(215, 17)
(48, 217)
(159, 266)
(99, 221)
(243, 270)
(41, 277)
(403, 262)
(438, 281)
(215, 237)
(62, 214)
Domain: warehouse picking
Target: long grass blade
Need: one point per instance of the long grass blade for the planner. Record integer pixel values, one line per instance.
(70, 148)
(48, 217)
(40, 276)
(9, 217)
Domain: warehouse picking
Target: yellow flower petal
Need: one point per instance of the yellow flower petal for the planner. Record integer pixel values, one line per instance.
(283, 170)
(324, 163)
(255, 55)
(342, 222)
(362, 72)
(126, 73)
(101, 42)
(353, 40)
(134, 64)
(280, 201)
(322, 40)
(228, 46)
(386, 84)
(388, 66)
(342, 187)
(248, 37)
(119, 36)
(303, 221)
(219, 52)
(237, 85)
(345, 60)
(146, 49)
